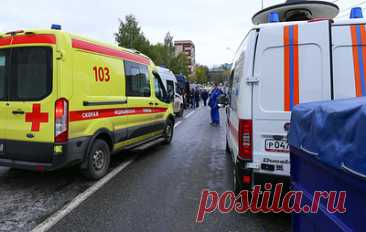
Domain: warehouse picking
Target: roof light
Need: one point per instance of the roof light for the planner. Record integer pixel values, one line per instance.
(356, 13)
(56, 27)
(273, 17)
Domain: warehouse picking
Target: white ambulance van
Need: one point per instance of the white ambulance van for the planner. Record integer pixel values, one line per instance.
(293, 58)
(171, 85)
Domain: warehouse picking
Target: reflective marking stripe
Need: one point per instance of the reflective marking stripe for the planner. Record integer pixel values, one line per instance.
(28, 39)
(91, 47)
(234, 132)
(108, 113)
(359, 59)
(291, 66)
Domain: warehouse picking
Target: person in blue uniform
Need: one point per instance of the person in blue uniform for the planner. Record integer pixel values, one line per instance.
(214, 105)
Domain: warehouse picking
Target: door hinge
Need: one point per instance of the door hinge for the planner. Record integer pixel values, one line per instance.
(59, 55)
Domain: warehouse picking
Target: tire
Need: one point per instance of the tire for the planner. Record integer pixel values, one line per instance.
(181, 112)
(168, 132)
(227, 149)
(98, 160)
(236, 185)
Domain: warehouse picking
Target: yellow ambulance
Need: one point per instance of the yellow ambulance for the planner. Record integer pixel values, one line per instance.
(67, 100)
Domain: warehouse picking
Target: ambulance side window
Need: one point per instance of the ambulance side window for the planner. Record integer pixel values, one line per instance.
(237, 75)
(231, 80)
(137, 80)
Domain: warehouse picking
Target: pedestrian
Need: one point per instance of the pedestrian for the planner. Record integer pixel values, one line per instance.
(204, 96)
(214, 105)
(197, 97)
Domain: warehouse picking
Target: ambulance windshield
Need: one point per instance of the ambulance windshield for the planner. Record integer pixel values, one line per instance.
(25, 73)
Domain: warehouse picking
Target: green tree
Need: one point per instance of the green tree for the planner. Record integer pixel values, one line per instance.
(179, 64)
(129, 35)
(201, 74)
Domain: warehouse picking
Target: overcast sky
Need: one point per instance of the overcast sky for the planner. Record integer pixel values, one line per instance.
(215, 26)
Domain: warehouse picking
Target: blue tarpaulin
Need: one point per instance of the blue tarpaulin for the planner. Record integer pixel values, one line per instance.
(333, 131)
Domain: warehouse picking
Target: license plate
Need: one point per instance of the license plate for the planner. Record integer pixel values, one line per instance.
(272, 145)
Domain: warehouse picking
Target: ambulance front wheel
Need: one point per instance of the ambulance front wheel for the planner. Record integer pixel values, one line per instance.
(98, 160)
(168, 132)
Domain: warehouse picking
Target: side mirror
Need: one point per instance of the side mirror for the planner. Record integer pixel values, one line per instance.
(223, 101)
(171, 96)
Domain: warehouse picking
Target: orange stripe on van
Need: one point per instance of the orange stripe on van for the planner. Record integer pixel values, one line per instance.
(356, 61)
(91, 47)
(291, 66)
(286, 39)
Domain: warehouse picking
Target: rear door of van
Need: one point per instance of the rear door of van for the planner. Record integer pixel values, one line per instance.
(30, 96)
(349, 55)
(292, 66)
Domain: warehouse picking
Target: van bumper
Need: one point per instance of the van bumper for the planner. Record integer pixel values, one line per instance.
(260, 178)
(36, 156)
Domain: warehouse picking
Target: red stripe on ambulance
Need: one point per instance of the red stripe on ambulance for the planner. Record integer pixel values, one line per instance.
(28, 39)
(91, 47)
(109, 113)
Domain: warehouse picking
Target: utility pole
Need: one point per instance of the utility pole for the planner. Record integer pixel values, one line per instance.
(262, 4)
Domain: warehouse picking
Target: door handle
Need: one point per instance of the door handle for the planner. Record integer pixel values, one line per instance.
(18, 112)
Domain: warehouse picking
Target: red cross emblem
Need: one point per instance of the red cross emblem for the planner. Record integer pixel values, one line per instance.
(36, 117)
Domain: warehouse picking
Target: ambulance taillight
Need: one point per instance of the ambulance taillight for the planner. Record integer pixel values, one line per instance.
(246, 139)
(61, 120)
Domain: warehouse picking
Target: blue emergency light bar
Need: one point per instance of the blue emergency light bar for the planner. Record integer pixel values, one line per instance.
(56, 27)
(273, 17)
(356, 13)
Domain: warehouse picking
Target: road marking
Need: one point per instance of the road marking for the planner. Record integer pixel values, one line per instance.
(57, 216)
(177, 124)
(189, 115)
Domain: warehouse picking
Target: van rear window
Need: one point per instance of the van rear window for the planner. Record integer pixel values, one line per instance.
(25, 73)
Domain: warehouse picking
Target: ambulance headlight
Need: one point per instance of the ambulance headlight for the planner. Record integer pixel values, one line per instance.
(356, 13)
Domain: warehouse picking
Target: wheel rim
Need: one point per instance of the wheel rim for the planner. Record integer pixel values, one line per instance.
(168, 131)
(99, 159)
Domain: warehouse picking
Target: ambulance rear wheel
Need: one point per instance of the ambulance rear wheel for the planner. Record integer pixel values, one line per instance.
(98, 160)
(168, 132)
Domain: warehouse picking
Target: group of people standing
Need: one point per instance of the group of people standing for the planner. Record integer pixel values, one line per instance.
(195, 95)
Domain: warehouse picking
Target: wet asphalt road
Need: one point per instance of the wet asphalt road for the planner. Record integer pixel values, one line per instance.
(160, 190)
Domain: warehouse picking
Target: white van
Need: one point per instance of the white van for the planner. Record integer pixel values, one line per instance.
(277, 66)
(171, 85)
